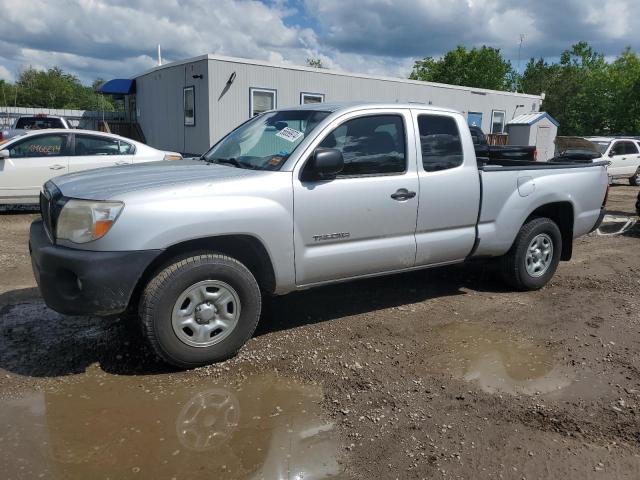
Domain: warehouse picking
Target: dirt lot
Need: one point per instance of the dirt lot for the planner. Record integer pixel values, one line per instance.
(435, 374)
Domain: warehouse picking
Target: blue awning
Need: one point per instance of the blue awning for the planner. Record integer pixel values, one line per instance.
(119, 86)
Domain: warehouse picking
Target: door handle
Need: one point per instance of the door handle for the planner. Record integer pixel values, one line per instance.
(403, 194)
(57, 166)
(122, 162)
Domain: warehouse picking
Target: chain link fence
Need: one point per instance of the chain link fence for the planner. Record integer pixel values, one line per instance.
(86, 119)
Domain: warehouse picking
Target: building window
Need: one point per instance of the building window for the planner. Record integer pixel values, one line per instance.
(497, 121)
(311, 98)
(474, 119)
(262, 100)
(189, 106)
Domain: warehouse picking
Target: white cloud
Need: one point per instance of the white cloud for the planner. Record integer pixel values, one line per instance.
(119, 37)
(5, 74)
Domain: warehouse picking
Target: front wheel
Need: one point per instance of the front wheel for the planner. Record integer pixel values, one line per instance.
(534, 255)
(200, 310)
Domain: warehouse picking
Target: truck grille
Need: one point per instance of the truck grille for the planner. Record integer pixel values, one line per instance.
(51, 203)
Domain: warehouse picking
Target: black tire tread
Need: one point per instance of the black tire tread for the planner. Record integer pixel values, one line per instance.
(153, 290)
(509, 265)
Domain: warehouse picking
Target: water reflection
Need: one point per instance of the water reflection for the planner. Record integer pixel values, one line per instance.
(499, 361)
(117, 427)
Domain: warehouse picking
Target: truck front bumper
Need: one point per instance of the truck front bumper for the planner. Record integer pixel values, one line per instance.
(82, 282)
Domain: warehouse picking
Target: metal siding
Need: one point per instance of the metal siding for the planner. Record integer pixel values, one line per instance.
(160, 101)
(228, 107)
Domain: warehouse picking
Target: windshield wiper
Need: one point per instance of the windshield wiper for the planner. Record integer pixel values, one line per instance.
(229, 161)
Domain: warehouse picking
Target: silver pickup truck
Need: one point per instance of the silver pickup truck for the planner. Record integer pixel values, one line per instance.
(292, 199)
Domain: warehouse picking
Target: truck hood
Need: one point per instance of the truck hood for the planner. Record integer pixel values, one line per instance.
(108, 183)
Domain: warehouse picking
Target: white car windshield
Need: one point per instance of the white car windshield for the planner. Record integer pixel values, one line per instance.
(267, 141)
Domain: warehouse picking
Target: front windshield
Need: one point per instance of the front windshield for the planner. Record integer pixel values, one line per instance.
(602, 146)
(265, 142)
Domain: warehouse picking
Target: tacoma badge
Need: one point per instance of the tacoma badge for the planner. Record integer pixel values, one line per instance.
(331, 236)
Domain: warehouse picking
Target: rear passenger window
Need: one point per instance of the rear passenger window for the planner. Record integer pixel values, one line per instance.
(126, 148)
(373, 145)
(630, 148)
(87, 145)
(440, 142)
(624, 148)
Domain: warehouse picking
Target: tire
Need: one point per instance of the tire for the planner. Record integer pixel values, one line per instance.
(218, 290)
(635, 180)
(514, 263)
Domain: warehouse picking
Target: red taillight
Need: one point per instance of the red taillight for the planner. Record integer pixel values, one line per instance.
(535, 154)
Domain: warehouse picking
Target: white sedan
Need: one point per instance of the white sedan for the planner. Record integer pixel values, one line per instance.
(29, 160)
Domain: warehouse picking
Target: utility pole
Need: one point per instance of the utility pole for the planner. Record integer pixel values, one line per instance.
(519, 50)
(159, 56)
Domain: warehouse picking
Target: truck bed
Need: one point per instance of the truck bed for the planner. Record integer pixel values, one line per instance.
(513, 191)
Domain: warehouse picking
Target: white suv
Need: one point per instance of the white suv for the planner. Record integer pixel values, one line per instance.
(624, 155)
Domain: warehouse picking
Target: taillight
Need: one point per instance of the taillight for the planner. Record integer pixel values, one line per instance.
(535, 154)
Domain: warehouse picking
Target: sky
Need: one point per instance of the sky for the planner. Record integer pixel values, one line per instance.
(119, 38)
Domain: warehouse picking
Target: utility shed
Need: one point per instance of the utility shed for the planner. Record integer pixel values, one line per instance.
(188, 105)
(539, 129)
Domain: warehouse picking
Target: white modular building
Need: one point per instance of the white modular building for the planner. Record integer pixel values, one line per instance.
(189, 105)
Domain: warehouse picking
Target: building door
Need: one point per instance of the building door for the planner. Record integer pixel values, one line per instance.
(474, 119)
(133, 113)
(542, 143)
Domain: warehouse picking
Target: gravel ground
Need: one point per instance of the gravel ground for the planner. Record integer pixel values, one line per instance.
(435, 374)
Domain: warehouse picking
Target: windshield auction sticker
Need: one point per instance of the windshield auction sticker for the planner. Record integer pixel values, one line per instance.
(289, 134)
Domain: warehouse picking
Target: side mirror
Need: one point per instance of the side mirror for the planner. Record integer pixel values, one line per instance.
(4, 154)
(612, 153)
(324, 164)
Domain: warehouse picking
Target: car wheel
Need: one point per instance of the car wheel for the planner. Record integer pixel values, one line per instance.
(635, 180)
(534, 255)
(200, 309)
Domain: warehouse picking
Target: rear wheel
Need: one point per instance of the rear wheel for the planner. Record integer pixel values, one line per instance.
(200, 310)
(635, 180)
(534, 255)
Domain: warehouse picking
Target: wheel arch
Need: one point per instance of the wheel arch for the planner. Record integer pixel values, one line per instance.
(562, 213)
(247, 249)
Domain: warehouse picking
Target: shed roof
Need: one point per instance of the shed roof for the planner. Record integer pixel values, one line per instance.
(531, 118)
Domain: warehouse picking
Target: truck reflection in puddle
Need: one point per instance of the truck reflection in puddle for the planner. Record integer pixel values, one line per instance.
(499, 361)
(102, 426)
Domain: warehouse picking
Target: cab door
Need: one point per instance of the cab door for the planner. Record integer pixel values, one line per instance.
(31, 161)
(624, 158)
(449, 189)
(96, 151)
(362, 221)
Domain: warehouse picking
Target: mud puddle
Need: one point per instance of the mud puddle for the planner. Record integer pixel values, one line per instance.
(499, 361)
(105, 426)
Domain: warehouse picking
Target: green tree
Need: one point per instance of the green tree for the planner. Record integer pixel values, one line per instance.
(53, 88)
(483, 67)
(585, 94)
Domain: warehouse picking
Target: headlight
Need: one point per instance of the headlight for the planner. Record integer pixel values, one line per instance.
(82, 221)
